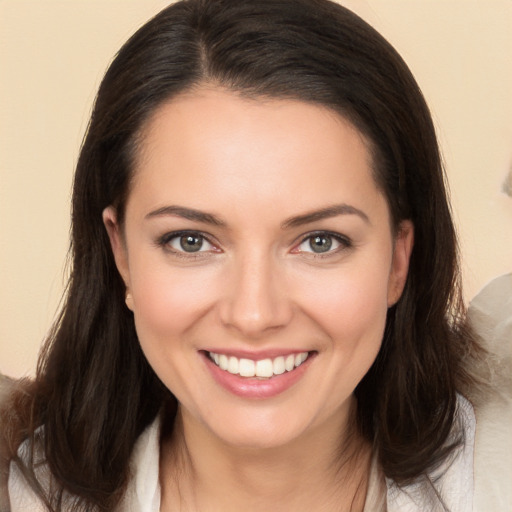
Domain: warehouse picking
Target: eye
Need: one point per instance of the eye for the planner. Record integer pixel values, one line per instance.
(322, 243)
(186, 242)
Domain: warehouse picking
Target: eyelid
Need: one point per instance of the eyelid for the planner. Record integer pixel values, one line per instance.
(163, 241)
(344, 241)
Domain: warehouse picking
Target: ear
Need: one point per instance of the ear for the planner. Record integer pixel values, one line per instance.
(402, 250)
(118, 248)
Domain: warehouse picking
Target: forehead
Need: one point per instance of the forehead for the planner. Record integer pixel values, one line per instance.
(208, 107)
(212, 142)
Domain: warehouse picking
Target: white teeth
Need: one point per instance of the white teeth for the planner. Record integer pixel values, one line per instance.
(278, 365)
(223, 361)
(233, 365)
(264, 368)
(246, 368)
(289, 363)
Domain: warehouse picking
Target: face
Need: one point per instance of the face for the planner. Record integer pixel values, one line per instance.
(260, 262)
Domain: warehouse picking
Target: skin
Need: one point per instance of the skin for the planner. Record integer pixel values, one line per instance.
(257, 286)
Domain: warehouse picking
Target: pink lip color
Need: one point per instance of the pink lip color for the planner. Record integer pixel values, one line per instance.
(248, 387)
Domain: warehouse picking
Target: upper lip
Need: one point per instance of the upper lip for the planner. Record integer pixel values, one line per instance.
(256, 355)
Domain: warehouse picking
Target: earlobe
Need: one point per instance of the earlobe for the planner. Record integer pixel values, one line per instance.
(117, 243)
(404, 242)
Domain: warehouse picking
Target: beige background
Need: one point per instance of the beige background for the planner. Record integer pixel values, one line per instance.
(53, 54)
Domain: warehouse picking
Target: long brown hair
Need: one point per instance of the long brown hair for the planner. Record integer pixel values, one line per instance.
(94, 392)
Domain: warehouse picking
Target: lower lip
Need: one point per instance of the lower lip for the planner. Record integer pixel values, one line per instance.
(247, 387)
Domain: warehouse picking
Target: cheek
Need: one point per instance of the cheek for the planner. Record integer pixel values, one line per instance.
(168, 302)
(353, 315)
(350, 306)
(168, 305)
(348, 301)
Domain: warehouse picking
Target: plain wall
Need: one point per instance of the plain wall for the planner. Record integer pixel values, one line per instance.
(53, 55)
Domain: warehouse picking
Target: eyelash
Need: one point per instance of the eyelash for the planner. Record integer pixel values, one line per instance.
(343, 241)
(164, 242)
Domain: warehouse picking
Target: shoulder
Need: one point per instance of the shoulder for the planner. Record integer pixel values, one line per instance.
(142, 494)
(477, 477)
(21, 495)
(448, 486)
(15, 493)
(143, 491)
(490, 314)
(5, 389)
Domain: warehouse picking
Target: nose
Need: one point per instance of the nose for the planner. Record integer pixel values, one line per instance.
(255, 299)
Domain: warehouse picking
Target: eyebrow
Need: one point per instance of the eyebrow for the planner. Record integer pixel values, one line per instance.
(187, 213)
(299, 220)
(324, 213)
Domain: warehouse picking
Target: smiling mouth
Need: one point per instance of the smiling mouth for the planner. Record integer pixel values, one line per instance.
(262, 369)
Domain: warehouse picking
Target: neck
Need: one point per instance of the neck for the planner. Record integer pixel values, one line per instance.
(321, 471)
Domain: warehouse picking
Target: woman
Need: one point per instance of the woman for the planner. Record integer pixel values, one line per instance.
(264, 308)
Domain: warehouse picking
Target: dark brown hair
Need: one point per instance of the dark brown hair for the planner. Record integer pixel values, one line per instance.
(95, 392)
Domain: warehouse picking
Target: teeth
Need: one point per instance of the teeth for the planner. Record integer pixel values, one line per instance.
(289, 363)
(264, 368)
(246, 368)
(300, 358)
(233, 365)
(223, 362)
(278, 365)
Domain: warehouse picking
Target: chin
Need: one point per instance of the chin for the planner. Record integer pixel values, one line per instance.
(260, 429)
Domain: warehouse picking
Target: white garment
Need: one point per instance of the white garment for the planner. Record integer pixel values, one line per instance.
(455, 486)
(490, 314)
(449, 487)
